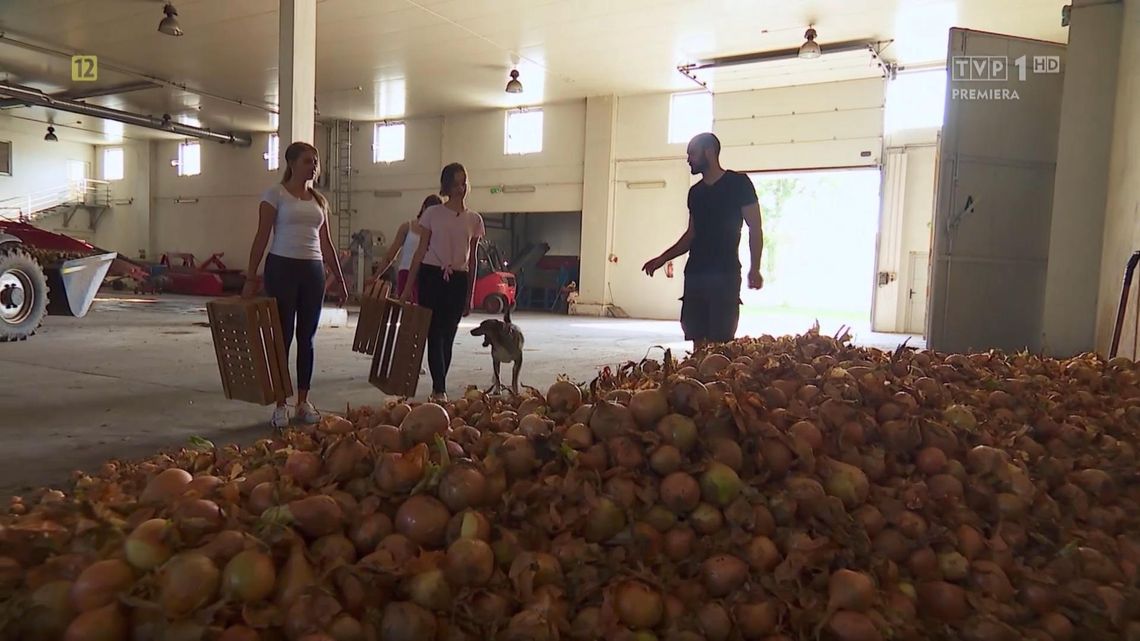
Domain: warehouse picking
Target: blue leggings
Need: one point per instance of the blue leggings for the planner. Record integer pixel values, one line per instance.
(299, 287)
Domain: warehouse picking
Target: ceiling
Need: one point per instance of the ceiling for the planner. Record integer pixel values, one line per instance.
(379, 59)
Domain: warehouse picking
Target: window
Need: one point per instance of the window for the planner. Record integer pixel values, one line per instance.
(189, 159)
(388, 142)
(273, 153)
(113, 163)
(5, 158)
(916, 100)
(524, 132)
(689, 114)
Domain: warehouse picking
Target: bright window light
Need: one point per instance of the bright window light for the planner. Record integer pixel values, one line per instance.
(189, 159)
(689, 114)
(273, 153)
(388, 142)
(916, 100)
(113, 163)
(524, 132)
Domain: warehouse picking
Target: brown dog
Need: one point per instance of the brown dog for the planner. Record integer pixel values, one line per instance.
(506, 342)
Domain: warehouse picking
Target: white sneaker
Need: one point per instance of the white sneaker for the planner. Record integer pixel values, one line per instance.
(280, 418)
(438, 397)
(308, 414)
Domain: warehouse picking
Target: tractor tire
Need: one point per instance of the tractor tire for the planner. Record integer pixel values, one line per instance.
(23, 294)
(495, 304)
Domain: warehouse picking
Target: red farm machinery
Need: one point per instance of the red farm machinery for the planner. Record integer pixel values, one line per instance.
(42, 273)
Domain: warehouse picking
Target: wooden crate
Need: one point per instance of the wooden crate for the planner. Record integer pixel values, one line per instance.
(250, 349)
(372, 306)
(397, 339)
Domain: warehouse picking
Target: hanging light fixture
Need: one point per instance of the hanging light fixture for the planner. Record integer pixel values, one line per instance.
(513, 85)
(169, 24)
(810, 49)
(50, 135)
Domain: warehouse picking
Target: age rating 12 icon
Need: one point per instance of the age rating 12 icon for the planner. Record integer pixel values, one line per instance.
(84, 68)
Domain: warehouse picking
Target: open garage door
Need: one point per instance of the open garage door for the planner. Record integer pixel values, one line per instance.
(995, 192)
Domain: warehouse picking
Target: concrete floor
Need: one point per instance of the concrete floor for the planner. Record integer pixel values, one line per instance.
(138, 375)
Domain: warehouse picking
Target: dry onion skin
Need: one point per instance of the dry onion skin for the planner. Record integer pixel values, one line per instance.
(771, 488)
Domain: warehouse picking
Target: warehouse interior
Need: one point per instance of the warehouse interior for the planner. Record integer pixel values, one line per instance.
(934, 177)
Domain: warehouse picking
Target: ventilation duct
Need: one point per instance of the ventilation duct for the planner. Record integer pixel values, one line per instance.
(38, 98)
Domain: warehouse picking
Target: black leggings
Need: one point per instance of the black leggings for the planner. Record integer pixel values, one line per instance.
(446, 300)
(299, 287)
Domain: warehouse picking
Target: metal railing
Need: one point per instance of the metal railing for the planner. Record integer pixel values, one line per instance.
(29, 207)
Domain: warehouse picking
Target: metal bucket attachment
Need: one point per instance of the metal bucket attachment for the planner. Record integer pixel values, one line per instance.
(74, 283)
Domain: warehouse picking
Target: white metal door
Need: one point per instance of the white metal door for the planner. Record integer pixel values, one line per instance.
(995, 193)
(917, 292)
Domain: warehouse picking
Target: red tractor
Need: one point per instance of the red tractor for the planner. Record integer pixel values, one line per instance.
(43, 273)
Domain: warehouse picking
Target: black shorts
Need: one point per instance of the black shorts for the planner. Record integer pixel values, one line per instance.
(710, 307)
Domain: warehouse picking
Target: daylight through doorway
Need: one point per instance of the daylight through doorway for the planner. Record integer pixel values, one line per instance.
(819, 250)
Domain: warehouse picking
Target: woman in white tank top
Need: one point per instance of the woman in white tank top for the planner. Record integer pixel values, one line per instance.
(406, 242)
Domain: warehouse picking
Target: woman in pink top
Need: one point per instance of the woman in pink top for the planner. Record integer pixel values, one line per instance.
(443, 270)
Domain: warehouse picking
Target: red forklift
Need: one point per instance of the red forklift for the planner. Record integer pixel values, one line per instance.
(495, 288)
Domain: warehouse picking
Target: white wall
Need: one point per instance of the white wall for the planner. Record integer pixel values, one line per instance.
(1122, 217)
(38, 165)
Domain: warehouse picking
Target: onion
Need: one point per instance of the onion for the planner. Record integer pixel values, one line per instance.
(423, 423)
(719, 484)
(687, 396)
(429, 589)
(679, 543)
(943, 601)
(367, 532)
(100, 584)
(1057, 626)
(756, 620)
(923, 564)
(578, 436)
(147, 546)
(239, 633)
(726, 451)
(462, 486)
(648, 407)
(706, 519)
(610, 419)
(809, 433)
(303, 467)
(187, 582)
(846, 482)
(249, 577)
(870, 518)
(637, 605)
(723, 573)
(714, 622)
(930, 460)
(774, 457)
(468, 524)
(945, 488)
(679, 431)
(605, 520)
(535, 425)
(564, 397)
(665, 460)
(518, 455)
(625, 453)
(850, 590)
(852, 626)
(315, 516)
(762, 554)
(680, 492)
(105, 623)
(970, 542)
(166, 486)
(470, 562)
(423, 519)
(406, 621)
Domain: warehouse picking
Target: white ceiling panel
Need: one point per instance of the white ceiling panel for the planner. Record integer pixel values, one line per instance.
(408, 58)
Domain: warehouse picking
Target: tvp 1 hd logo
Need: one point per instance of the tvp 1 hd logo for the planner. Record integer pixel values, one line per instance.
(996, 69)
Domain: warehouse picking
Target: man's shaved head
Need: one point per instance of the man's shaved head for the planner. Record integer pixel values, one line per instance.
(703, 152)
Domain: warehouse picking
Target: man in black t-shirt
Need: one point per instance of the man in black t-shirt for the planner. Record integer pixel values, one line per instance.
(719, 206)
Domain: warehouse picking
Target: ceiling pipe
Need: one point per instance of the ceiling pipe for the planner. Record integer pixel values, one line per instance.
(7, 37)
(90, 93)
(36, 97)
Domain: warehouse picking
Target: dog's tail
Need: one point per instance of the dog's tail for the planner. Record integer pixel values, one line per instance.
(507, 314)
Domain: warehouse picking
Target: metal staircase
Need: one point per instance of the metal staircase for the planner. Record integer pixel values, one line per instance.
(92, 196)
(340, 180)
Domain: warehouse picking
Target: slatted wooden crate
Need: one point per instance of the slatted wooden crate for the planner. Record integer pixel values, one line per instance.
(395, 335)
(372, 305)
(250, 349)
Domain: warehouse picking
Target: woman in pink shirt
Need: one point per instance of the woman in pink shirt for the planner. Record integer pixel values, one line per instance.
(443, 270)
